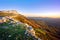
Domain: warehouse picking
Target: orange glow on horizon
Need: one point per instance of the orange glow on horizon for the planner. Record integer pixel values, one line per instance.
(46, 15)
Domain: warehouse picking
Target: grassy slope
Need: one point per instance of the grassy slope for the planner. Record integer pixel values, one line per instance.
(38, 26)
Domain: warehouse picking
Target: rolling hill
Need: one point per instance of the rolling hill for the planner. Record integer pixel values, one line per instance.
(44, 30)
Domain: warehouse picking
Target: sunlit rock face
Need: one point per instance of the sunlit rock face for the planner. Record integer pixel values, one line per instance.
(29, 30)
(2, 20)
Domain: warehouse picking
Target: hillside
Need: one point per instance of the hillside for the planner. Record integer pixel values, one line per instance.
(18, 17)
(42, 29)
(50, 25)
(11, 29)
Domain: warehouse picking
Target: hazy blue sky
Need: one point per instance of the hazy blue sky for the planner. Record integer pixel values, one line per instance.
(46, 8)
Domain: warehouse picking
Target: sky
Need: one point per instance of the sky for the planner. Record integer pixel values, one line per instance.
(34, 8)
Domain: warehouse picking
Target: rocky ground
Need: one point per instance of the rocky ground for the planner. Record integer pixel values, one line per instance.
(15, 30)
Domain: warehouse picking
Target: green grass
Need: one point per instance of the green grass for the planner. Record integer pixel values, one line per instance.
(15, 32)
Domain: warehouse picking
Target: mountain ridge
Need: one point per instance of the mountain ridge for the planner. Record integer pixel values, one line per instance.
(43, 31)
(18, 17)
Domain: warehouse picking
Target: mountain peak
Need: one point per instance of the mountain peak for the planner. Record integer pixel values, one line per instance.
(9, 11)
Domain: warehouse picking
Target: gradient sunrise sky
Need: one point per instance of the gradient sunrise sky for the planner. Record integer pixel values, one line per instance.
(43, 8)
